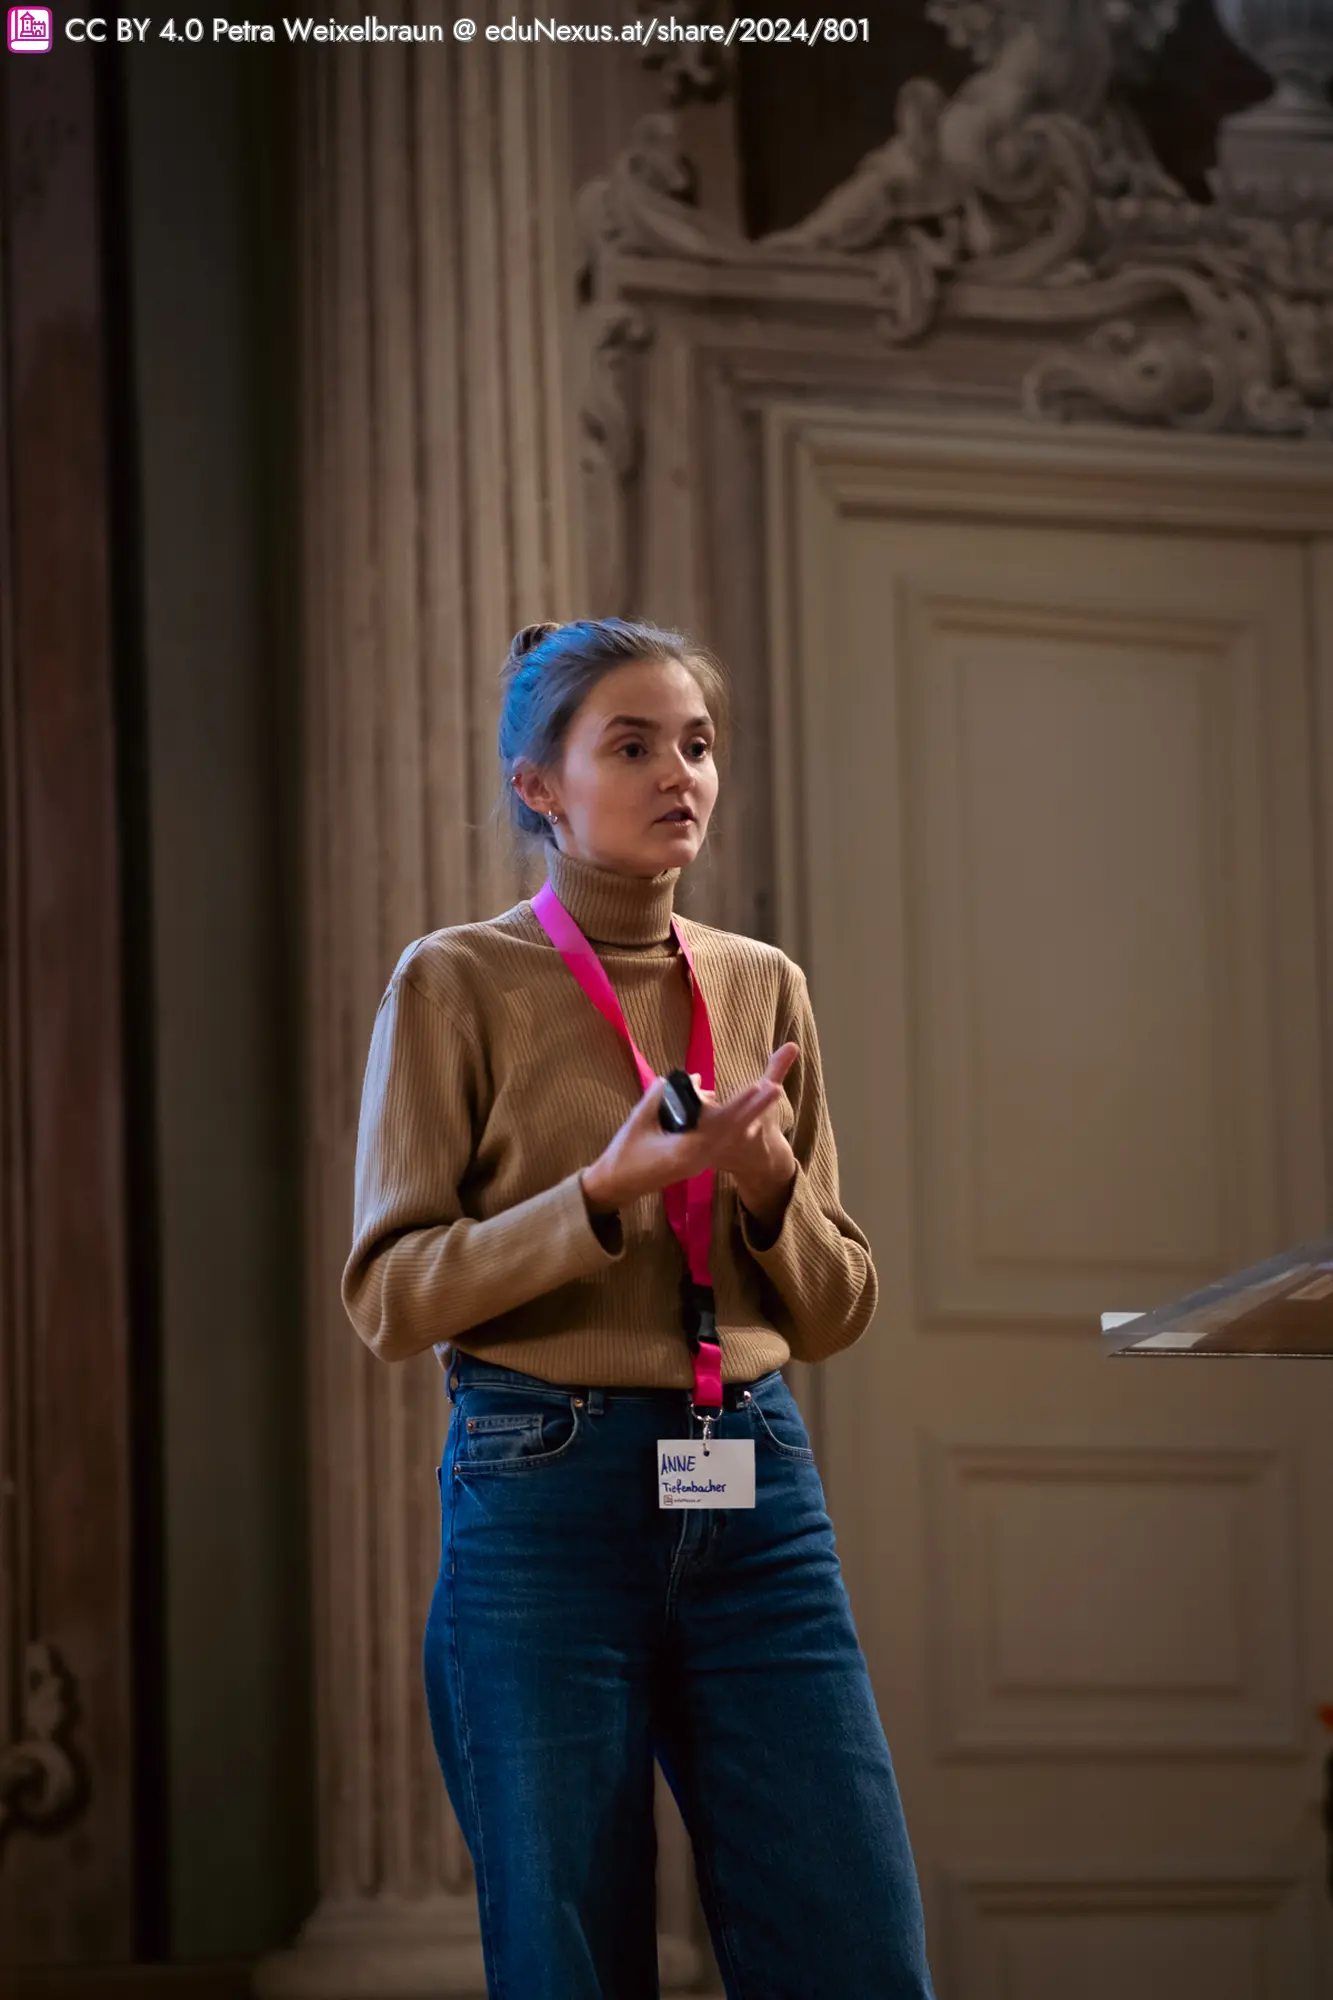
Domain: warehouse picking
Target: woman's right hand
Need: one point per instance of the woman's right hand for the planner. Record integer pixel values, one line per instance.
(643, 1159)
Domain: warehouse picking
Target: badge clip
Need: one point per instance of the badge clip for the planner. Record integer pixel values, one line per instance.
(708, 1419)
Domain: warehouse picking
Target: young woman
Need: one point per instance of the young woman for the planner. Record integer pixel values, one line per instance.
(636, 1558)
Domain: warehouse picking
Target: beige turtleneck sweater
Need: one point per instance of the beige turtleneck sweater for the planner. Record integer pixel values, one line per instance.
(493, 1081)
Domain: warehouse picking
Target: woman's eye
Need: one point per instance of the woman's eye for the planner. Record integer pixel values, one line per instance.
(699, 749)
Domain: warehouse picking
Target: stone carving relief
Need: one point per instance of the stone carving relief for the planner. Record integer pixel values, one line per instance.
(1029, 199)
(691, 71)
(39, 1780)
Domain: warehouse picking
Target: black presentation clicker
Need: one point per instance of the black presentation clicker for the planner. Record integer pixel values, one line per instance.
(681, 1103)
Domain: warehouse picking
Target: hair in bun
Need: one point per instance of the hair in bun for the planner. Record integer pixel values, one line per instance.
(551, 670)
(523, 642)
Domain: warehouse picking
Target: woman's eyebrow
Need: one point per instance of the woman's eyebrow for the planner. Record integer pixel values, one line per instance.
(644, 722)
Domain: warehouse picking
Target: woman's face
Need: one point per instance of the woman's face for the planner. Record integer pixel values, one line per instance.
(637, 784)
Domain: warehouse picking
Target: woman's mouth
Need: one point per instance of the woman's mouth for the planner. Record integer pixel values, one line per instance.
(680, 816)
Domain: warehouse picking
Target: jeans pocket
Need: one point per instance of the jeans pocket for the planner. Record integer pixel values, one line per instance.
(779, 1427)
(523, 1434)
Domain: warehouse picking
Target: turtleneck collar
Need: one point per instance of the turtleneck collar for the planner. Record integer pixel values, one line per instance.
(610, 908)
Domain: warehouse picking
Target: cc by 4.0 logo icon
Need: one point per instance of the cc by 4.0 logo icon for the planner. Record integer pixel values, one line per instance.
(30, 31)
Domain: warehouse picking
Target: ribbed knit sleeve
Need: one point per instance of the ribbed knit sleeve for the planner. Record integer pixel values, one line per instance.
(819, 1262)
(421, 1271)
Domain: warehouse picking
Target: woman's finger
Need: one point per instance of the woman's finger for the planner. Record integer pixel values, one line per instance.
(781, 1061)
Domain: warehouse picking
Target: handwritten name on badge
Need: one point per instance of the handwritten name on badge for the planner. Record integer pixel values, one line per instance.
(721, 1476)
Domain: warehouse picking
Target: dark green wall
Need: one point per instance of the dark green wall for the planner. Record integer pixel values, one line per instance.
(205, 134)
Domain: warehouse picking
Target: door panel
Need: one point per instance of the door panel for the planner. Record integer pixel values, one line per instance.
(1063, 933)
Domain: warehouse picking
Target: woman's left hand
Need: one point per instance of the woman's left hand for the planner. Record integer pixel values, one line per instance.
(759, 1159)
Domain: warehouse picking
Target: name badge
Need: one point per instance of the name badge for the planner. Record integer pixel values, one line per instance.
(718, 1474)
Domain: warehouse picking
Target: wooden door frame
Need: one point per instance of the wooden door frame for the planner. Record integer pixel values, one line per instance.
(74, 1451)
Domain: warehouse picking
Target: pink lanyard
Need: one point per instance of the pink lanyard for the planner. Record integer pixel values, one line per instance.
(689, 1204)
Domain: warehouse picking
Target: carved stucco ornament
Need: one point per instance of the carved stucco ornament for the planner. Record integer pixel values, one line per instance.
(691, 72)
(644, 207)
(39, 1780)
(1031, 198)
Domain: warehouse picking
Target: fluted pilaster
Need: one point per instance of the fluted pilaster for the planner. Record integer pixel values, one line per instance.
(437, 496)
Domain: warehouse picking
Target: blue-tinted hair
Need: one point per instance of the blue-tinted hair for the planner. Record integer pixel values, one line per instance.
(549, 674)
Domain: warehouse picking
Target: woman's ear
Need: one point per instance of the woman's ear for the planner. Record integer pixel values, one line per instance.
(534, 791)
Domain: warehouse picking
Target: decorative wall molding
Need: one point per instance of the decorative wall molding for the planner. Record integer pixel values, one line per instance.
(609, 442)
(942, 463)
(1160, 1619)
(1046, 1933)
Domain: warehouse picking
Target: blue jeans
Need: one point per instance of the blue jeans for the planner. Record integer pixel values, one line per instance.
(578, 1631)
